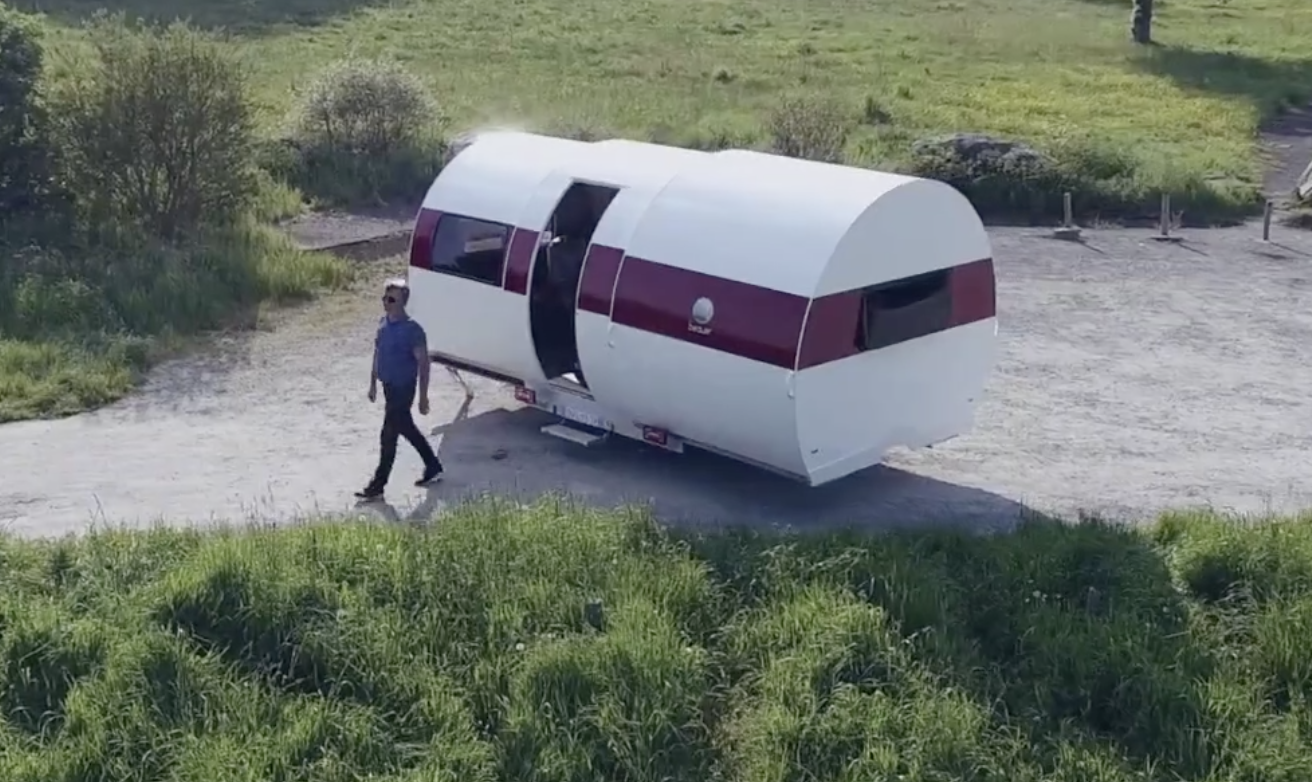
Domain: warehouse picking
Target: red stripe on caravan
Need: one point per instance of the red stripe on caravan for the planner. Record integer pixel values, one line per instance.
(767, 325)
(752, 322)
(831, 329)
(421, 239)
(974, 292)
(597, 282)
(519, 260)
(832, 325)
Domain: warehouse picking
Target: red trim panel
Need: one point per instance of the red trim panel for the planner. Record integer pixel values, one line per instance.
(597, 282)
(756, 323)
(519, 260)
(421, 239)
(974, 292)
(831, 329)
(767, 325)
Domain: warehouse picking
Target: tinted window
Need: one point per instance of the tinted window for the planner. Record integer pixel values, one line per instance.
(470, 248)
(905, 309)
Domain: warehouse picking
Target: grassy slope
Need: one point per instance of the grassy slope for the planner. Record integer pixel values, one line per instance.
(461, 652)
(1043, 70)
(64, 349)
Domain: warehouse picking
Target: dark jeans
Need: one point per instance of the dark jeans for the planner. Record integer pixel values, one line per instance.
(397, 423)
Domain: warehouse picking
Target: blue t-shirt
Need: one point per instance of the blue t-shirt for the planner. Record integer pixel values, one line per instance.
(396, 343)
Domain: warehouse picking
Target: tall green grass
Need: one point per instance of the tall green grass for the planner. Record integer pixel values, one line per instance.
(78, 323)
(553, 643)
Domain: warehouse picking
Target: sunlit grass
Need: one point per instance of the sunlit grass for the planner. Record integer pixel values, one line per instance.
(1040, 70)
(555, 643)
(66, 346)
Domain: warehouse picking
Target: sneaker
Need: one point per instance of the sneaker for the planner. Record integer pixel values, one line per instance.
(431, 476)
(369, 493)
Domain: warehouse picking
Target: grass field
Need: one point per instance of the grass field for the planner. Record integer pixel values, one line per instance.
(551, 643)
(1058, 73)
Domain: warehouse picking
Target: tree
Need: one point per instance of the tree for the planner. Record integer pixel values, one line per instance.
(24, 153)
(1141, 23)
(160, 132)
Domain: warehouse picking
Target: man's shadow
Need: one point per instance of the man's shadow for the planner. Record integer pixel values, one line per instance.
(422, 513)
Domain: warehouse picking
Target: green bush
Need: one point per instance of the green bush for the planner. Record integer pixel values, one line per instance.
(465, 651)
(364, 131)
(369, 107)
(25, 162)
(157, 132)
(811, 128)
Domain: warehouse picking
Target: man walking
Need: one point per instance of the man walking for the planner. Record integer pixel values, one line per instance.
(400, 360)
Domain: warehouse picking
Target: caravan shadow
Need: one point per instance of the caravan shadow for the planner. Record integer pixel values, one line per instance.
(504, 453)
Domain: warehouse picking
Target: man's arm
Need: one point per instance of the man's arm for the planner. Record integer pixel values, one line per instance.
(421, 355)
(373, 363)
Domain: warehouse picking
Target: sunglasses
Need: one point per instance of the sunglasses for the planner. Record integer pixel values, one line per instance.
(389, 299)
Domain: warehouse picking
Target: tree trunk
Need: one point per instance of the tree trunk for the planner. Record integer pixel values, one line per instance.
(1141, 24)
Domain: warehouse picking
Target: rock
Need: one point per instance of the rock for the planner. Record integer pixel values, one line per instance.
(979, 150)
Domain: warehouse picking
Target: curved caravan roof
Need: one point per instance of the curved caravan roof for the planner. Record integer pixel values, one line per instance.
(796, 226)
(807, 228)
(497, 174)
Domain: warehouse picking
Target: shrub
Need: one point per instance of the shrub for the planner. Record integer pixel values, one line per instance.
(1006, 179)
(369, 107)
(810, 128)
(24, 153)
(365, 130)
(159, 132)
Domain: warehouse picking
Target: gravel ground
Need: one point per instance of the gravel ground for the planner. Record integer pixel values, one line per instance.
(1135, 376)
(330, 230)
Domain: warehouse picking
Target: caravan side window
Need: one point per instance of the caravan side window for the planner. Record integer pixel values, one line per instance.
(470, 248)
(904, 309)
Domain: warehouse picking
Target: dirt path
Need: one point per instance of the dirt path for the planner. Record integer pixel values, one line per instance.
(1134, 376)
(1288, 143)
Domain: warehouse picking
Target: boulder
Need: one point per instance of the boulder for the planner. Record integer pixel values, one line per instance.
(981, 152)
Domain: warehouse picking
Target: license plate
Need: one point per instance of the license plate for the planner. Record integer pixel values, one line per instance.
(595, 421)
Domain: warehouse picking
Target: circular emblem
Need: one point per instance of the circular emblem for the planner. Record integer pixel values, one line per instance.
(702, 311)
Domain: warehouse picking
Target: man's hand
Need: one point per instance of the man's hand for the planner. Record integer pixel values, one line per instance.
(423, 405)
(373, 392)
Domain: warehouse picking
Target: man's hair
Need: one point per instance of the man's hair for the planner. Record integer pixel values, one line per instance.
(401, 286)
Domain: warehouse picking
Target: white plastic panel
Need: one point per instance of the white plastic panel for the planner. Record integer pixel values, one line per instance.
(918, 226)
(852, 411)
(736, 405)
(471, 321)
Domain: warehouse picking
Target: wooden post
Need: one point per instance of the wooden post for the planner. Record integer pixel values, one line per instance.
(1164, 222)
(1266, 220)
(1068, 231)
